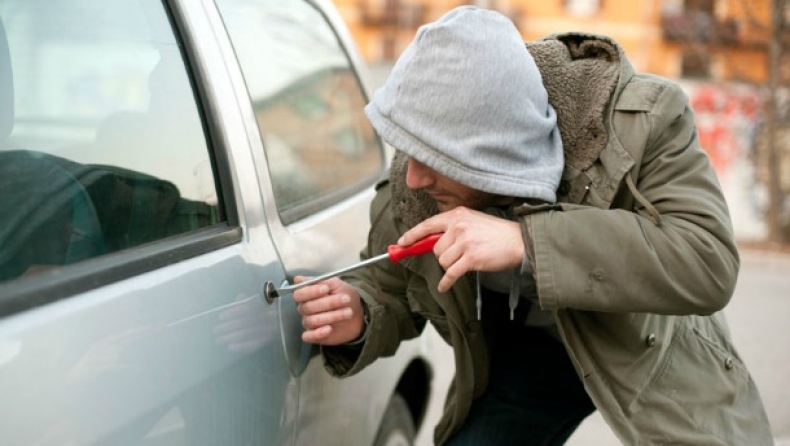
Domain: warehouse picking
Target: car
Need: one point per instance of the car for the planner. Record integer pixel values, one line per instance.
(166, 166)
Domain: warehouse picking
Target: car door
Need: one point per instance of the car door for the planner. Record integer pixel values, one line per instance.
(317, 151)
(134, 245)
(319, 158)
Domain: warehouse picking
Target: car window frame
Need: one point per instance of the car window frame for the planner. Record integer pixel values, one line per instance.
(26, 293)
(303, 211)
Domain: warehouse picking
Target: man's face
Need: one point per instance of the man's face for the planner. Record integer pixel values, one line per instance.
(448, 193)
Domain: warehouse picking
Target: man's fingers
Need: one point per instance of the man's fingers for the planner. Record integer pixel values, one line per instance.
(327, 318)
(430, 226)
(325, 303)
(310, 292)
(449, 255)
(331, 312)
(451, 275)
(317, 335)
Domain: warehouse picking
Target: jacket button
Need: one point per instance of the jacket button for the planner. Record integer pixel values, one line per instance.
(473, 326)
(728, 363)
(650, 340)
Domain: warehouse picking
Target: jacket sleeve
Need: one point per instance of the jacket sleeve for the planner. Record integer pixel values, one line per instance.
(619, 260)
(383, 287)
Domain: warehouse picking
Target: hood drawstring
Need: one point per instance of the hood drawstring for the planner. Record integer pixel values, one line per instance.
(498, 280)
(515, 293)
(513, 297)
(479, 299)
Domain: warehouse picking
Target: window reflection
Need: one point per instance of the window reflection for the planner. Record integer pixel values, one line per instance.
(102, 145)
(307, 100)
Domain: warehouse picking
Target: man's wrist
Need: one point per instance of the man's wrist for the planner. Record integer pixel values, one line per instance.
(527, 262)
(365, 322)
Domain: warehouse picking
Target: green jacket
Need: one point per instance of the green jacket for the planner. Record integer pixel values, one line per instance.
(636, 261)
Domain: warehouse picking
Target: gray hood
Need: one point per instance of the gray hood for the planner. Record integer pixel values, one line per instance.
(467, 100)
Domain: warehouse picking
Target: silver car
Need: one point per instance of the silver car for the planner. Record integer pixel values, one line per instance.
(164, 167)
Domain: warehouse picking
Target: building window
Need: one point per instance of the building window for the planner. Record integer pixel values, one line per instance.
(701, 6)
(695, 64)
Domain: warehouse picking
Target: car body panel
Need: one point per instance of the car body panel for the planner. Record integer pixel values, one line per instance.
(105, 366)
(173, 342)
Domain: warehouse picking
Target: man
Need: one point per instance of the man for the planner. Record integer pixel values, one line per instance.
(573, 273)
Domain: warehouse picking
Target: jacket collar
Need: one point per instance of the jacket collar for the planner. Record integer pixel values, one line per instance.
(581, 72)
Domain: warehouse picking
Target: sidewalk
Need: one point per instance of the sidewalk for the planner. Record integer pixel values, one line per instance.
(594, 431)
(771, 251)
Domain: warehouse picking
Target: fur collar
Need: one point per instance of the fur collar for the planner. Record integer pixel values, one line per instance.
(580, 73)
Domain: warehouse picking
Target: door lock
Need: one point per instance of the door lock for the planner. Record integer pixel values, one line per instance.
(270, 292)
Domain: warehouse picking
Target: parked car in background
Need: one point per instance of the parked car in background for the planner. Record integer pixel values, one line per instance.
(165, 164)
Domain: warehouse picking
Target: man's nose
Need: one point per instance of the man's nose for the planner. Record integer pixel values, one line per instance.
(418, 175)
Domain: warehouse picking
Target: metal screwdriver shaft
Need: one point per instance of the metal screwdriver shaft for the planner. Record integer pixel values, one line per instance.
(317, 279)
(394, 254)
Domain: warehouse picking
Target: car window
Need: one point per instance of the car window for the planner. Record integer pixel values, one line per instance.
(308, 103)
(102, 147)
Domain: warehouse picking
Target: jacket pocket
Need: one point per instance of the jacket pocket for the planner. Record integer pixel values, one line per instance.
(699, 393)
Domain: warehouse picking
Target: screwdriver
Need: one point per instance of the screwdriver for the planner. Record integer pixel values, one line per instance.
(395, 253)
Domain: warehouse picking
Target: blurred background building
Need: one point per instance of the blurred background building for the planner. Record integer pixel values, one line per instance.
(731, 56)
(711, 39)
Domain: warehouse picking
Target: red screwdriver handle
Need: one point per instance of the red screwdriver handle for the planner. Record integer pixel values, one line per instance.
(423, 246)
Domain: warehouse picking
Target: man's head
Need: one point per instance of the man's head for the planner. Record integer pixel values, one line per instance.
(449, 193)
(466, 100)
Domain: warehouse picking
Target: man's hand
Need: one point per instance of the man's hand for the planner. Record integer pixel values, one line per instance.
(331, 312)
(472, 241)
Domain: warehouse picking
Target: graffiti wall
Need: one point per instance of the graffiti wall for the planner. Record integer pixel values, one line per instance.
(728, 117)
